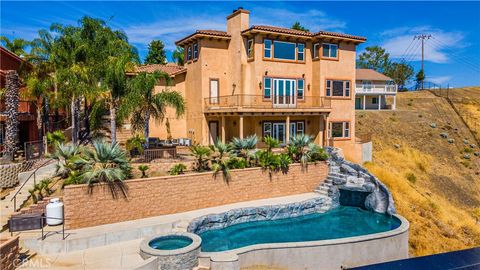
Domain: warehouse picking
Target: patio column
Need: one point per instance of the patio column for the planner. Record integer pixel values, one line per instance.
(394, 102)
(379, 102)
(364, 101)
(223, 128)
(287, 131)
(240, 125)
(321, 123)
(326, 133)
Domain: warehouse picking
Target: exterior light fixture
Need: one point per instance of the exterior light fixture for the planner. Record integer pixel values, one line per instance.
(260, 84)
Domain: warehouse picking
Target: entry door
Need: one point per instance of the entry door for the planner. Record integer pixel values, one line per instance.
(358, 103)
(284, 93)
(279, 132)
(213, 91)
(213, 128)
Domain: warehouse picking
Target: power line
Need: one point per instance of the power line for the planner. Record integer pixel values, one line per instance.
(465, 60)
(423, 37)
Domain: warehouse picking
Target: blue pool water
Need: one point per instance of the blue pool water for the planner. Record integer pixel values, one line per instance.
(340, 222)
(170, 242)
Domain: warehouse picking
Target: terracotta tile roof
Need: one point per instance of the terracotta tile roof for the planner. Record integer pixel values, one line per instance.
(289, 31)
(170, 68)
(211, 33)
(278, 30)
(371, 75)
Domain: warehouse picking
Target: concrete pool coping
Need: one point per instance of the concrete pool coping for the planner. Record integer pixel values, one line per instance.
(146, 248)
(207, 258)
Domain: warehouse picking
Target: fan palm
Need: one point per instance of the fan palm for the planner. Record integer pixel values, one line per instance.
(201, 154)
(16, 45)
(65, 154)
(298, 148)
(145, 103)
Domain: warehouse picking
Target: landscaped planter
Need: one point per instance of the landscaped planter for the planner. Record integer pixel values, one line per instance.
(174, 250)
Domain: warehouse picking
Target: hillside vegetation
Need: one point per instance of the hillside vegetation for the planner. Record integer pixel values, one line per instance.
(433, 183)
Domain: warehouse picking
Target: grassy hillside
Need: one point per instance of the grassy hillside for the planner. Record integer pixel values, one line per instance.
(433, 185)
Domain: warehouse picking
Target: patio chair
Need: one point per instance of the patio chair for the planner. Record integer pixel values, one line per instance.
(153, 142)
(162, 143)
(175, 142)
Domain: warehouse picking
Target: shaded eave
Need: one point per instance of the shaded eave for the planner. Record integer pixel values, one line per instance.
(212, 34)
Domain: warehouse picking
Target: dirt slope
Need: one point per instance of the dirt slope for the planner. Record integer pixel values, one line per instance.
(435, 187)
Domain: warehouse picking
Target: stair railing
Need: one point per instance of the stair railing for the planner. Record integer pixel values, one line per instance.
(14, 199)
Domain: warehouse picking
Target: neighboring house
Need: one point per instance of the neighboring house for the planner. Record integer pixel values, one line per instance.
(374, 91)
(267, 80)
(27, 111)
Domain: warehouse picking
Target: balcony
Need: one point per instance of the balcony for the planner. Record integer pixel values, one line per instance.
(376, 89)
(257, 103)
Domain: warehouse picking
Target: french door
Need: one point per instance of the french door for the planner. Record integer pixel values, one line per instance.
(284, 93)
(279, 132)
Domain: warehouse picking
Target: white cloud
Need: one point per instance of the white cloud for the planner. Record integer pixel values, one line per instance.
(439, 79)
(437, 48)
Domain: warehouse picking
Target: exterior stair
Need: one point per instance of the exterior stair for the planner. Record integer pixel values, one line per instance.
(25, 184)
(333, 175)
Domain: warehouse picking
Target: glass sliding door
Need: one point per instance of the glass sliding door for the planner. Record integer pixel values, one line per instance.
(284, 93)
(279, 132)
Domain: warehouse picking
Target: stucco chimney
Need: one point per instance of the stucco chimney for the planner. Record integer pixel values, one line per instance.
(238, 21)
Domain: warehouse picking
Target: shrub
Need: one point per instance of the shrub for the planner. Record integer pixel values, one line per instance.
(244, 147)
(237, 163)
(55, 137)
(411, 177)
(178, 169)
(135, 144)
(468, 150)
(201, 153)
(273, 162)
(143, 168)
(41, 190)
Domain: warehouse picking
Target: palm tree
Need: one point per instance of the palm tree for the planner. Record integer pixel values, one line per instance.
(298, 148)
(11, 100)
(201, 154)
(178, 56)
(243, 147)
(17, 45)
(145, 103)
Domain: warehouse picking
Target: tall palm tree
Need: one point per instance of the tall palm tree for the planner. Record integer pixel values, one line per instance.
(11, 100)
(16, 45)
(178, 56)
(145, 103)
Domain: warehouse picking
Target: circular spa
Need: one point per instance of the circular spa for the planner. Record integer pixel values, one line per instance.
(175, 250)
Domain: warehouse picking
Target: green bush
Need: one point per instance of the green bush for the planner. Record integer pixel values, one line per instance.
(134, 145)
(237, 163)
(41, 190)
(143, 168)
(178, 169)
(55, 137)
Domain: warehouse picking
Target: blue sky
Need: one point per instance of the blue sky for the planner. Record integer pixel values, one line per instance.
(452, 55)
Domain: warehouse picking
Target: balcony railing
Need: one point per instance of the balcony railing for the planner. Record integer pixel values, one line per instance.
(260, 102)
(376, 88)
(23, 107)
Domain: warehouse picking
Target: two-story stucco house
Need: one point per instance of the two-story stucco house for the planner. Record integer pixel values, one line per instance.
(266, 80)
(374, 91)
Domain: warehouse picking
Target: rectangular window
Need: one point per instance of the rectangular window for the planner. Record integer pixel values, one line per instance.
(195, 50)
(329, 50)
(267, 129)
(301, 52)
(374, 100)
(339, 129)
(284, 50)
(300, 88)
(337, 88)
(189, 53)
(267, 87)
(315, 50)
(250, 49)
(300, 128)
(213, 91)
(267, 48)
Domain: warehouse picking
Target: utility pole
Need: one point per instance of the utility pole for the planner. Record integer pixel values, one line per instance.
(423, 37)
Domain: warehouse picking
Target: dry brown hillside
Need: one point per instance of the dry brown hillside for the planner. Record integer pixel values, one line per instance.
(434, 186)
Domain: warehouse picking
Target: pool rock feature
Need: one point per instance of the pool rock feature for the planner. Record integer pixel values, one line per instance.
(269, 212)
(346, 175)
(172, 259)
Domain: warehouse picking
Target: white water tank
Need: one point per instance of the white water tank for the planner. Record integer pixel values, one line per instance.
(54, 212)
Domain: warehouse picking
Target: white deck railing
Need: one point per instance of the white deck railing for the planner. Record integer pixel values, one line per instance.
(376, 88)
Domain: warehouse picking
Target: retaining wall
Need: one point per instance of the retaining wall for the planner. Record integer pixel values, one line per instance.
(173, 194)
(9, 172)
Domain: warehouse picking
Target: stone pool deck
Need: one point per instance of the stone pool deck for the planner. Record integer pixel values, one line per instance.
(116, 246)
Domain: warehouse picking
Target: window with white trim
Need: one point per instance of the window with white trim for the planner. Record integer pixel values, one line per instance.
(267, 129)
(267, 48)
(267, 87)
(301, 52)
(339, 129)
(329, 50)
(250, 48)
(337, 88)
(315, 50)
(300, 88)
(189, 53)
(300, 128)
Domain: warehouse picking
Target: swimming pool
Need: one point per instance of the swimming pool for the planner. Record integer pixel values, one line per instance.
(337, 223)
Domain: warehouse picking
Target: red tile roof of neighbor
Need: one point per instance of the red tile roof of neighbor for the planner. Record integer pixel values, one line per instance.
(371, 75)
(170, 68)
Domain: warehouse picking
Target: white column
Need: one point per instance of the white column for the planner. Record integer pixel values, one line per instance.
(379, 102)
(240, 124)
(394, 102)
(364, 101)
(287, 131)
(321, 123)
(223, 129)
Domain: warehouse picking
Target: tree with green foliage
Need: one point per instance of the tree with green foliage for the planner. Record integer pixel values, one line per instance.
(298, 26)
(156, 53)
(375, 58)
(179, 56)
(420, 78)
(16, 45)
(401, 73)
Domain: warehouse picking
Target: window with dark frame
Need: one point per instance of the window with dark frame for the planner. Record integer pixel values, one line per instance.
(337, 88)
(250, 48)
(329, 50)
(300, 128)
(267, 129)
(267, 87)
(340, 130)
(315, 50)
(300, 88)
(300, 52)
(189, 53)
(195, 51)
(283, 50)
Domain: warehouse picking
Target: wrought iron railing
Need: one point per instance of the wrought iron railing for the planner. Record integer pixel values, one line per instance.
(260, 102)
